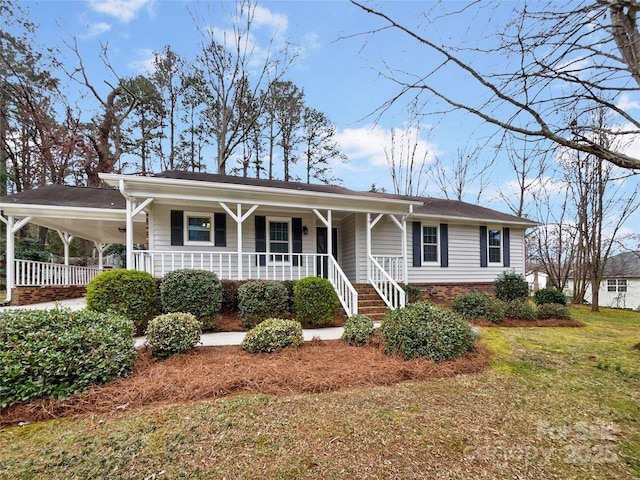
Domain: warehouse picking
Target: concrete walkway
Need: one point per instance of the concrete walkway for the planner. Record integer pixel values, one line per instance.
(206, 340)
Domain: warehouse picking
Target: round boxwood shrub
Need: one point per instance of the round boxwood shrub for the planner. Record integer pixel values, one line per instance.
(124, 292)
(260, 299)
(57, 353)
(173, 333)
(272, 335)
(315, 301)
(520, 310)
(357, 330)
(192, 291)
(479, 305)
(553, 310)
(511, 286)
(424, 330)
(549, 295)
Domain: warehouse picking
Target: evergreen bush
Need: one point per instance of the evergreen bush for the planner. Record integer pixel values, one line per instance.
(479, 305)
(511, 286)
(424, 330)
(192, 291)
(357, 330)
(315, 301)
(124, 292)
(57, 353)
(520, 310)
(260, 299)
(273, 334)
(549, 295)
(413, 293)
(173, 333)
(553, 310)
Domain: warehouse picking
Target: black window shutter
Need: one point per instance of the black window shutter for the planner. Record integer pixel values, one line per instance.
(444, 245)
(506, 247)
(484, 261)
(417, 244)
(296, 240)
(220, 226)
(177, 227)
(261, 238)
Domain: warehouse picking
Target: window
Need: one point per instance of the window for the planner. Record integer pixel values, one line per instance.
(495, 246)
(198, 227)
(279, 240)
(429, 243)
(617, 285)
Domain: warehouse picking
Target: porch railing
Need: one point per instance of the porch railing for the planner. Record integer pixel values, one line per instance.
(388, 289)
(393, 265)
(252, 266)
(32, 273)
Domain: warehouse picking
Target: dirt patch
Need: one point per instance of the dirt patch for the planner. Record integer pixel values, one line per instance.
(512, 322)
(212, 372)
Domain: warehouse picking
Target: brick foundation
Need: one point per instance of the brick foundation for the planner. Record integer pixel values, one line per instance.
(31, 295)
(443, 294)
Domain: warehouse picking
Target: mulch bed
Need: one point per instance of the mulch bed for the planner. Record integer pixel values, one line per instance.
(214, 372)
(231, 322)
(512, 322)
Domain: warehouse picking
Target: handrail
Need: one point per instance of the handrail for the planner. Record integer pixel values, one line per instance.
(32, 273)
(346, 291)
(388, 289)
(393, 265)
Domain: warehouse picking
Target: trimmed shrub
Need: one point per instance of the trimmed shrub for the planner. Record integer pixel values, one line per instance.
(357, 330)
(521, 310)
(315, 301)
(413, 292)
(553, 310)
(230, 295)
(424, 330)
(479, 305)
(173, 333)
(260, 299)
(129, 293)
(549, 295)
(57, 353)
(511, 286)
(192, 291)
(272, 335)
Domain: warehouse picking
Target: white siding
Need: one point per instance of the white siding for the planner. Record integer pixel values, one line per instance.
(348, 247)
(629, 299)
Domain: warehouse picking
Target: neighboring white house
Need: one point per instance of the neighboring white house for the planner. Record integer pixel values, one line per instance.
(620, 286)
(243, 228)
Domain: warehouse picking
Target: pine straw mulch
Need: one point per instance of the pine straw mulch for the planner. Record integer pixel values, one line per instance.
(214, 372)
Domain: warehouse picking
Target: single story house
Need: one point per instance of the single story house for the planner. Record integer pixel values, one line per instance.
(620, 286)
(247, 228)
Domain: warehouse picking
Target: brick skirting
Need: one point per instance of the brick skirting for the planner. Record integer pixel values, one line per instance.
(31, 295)
(444, 293)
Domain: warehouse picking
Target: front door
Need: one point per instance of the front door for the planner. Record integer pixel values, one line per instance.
(322, 248)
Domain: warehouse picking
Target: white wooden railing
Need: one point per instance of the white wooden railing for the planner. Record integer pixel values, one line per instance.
(393, 265)
(252, 266)
(346, 292)
(388, 289)
(31, 273)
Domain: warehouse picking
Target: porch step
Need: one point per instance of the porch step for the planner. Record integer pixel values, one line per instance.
(369, 302)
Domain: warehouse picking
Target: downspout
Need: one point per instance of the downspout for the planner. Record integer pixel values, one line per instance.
(405, 246)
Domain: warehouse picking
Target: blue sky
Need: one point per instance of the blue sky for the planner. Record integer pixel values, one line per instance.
(338, 66)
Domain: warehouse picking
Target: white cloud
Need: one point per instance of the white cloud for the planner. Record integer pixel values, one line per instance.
(123, 10)
(626, 103)
(96, 29)
(265, 17)
(145, 61)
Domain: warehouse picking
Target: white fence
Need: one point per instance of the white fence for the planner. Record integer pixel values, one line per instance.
(388, 289)
(31, 273)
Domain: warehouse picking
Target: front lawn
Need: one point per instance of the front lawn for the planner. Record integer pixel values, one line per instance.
(555, 403)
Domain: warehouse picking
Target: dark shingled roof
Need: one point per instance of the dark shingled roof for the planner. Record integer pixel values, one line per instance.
(67, 196)
(624, 265)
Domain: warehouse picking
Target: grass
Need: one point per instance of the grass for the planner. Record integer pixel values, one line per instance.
(556, 403)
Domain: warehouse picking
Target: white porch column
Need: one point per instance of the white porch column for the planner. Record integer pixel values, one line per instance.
(12, 228)
(370, 225)
(100, 248)
(239, 219)
(66, 240)
(403, 230)
(129, 233)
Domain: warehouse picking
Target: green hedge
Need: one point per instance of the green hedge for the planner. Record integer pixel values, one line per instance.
(511, 286)
(197, 292)
(479, 305)
(56, 353)
(424, 330)
(315, 301)
(260, 299)
(273, 334)
(550, 295)
(521, 310)
(130, 293)
(173, 333)
(357, 330)
(553, 310)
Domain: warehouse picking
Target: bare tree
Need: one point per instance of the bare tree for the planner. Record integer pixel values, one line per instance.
(550, 57)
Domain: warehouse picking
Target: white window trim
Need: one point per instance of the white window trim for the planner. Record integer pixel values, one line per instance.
(489, 247)
(289, 240)
(211, 228)
(616, 284)
(437, 260)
